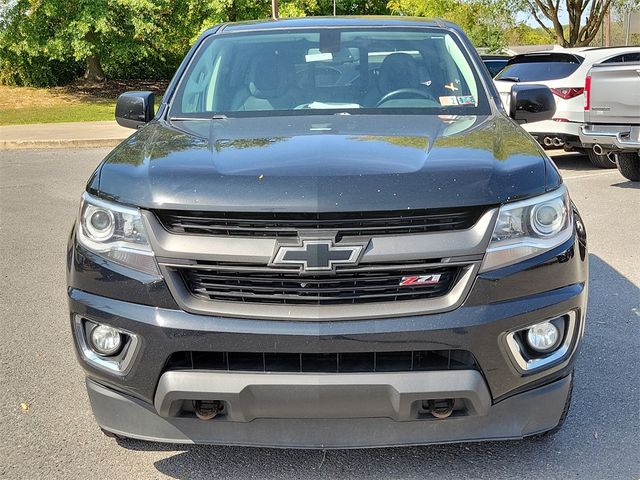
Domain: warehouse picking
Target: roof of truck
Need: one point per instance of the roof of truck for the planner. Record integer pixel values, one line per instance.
(310, 22)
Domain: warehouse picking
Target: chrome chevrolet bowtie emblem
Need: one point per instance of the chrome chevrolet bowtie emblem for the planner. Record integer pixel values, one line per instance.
(317, 255)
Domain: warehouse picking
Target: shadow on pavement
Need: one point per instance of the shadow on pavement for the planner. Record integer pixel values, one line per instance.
(572, 162)
(602, 423)
(628, 184)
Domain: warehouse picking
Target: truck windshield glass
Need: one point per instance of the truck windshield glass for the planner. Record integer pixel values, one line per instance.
(305, 71)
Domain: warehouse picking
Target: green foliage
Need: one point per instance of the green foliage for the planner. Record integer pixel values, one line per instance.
(352, 7)
(45, 42)
(50, 42)
(523, 34)
(482, 20)
(20, 64)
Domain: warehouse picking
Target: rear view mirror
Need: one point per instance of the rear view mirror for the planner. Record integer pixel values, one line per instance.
(531, 103)
(134, 109)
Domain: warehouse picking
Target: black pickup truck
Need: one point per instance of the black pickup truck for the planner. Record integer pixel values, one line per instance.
(329, 234)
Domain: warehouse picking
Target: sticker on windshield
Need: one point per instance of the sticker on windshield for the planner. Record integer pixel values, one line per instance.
(466, 100)
(457, 100)
(450, 100)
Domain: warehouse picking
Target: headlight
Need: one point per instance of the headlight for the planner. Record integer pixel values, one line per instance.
(115, 232)
(528, 228)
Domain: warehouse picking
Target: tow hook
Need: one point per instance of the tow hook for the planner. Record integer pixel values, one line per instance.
(441, 408)
(207, 409)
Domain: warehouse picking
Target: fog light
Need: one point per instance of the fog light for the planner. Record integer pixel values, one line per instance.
(543, 337)
(105, 340)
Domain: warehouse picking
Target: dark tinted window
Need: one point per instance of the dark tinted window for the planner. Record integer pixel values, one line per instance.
(624, 58)
(540, 67)
(494, 66)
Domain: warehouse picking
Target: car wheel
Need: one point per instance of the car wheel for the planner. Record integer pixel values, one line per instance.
(629, 166)
(600, 161)
(109, 434)
(563, 417)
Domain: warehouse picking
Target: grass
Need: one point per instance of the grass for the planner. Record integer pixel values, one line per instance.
(78, 102)
(22, 105)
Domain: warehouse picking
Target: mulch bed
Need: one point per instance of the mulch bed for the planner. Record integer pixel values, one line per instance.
(111, 89)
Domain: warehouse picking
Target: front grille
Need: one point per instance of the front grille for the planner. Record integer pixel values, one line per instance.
(351, 362)
(276, 224)
(362, 284)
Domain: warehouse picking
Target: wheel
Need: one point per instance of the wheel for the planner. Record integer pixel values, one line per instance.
(629, 166)
(600, 161)
(109, 434)
(563, 417)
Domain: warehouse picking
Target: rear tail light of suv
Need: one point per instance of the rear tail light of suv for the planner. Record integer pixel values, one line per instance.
(567, 93)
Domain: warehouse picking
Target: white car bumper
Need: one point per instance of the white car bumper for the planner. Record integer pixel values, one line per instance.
(551, 128)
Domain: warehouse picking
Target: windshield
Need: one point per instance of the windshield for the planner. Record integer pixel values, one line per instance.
(330, 71)
(538, 68)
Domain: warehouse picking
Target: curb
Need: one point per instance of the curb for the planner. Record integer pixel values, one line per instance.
(66, 143)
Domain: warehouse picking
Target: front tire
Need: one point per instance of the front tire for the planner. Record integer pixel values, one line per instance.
(109, 434)
(600, 161)
(629, 166)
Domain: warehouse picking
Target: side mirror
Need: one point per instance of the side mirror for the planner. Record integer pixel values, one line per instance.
(531, 103)
(134, 109)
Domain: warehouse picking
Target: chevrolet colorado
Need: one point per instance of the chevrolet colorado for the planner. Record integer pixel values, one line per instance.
(330, 234)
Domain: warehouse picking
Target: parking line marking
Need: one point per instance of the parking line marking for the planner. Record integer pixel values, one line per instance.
(597, 174)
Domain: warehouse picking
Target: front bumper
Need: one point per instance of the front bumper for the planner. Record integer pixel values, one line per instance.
(528, 413)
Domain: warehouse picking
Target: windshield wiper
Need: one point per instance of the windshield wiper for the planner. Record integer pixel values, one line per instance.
(510, 79)
(217, 116)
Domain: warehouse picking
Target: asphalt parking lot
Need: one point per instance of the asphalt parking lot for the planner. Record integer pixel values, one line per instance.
(47, 430)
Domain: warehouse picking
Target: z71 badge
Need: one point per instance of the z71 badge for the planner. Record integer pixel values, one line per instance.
(421, 279)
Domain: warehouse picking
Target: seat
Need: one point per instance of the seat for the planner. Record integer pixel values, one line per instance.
(397, 71)
(270, 86)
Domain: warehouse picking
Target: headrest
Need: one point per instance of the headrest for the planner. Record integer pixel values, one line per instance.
(398, 70)
(269, 76)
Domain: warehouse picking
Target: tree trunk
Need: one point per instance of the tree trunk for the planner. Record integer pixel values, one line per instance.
(576, 35)
(94, 72)
(232, 12)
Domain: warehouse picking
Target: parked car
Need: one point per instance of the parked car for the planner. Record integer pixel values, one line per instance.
(563, 70)
(389, 260)
(612, 113)
(495, 63)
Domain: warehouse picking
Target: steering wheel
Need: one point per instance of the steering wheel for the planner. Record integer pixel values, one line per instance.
(404, 91)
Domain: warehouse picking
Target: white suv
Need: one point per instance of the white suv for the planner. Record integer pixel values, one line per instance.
(563, 70)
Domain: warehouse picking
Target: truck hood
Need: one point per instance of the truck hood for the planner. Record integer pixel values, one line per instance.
(322, 163)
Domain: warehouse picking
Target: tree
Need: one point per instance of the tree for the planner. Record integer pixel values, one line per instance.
(523, 34)
(352, 7)
(482, 20)
(22, 59)
(577, 33)
(116, 38)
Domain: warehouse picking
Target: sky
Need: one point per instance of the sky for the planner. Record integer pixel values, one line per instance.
(529, 20)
